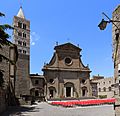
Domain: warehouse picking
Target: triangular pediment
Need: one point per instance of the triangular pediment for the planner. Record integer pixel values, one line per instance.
(67, 46)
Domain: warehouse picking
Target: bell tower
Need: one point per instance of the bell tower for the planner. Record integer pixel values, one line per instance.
(21, 37)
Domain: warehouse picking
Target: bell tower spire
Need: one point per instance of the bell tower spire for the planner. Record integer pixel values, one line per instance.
(20, 13)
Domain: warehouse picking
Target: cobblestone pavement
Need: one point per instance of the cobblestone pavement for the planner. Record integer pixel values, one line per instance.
(117, 111)
(44, 109)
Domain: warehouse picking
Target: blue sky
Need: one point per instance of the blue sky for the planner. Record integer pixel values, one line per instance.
(64, 21)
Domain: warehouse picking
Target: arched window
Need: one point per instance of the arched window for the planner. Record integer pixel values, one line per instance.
(109, 88)
(19, 24)
(24, 26)
(19, 43)
(24, 35)
(24, 43)
(19, 34)
(24, 51)
(99, 89)
(104, 89)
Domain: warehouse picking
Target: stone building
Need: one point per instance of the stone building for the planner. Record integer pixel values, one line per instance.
(21, 38)
(94, 84)
(94, 88)
(37, 86)
(7, 73)
(104, 86)
(65, 74)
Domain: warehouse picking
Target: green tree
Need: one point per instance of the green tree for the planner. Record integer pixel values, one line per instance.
(4, 36)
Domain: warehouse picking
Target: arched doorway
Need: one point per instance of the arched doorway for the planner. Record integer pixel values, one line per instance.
(52, 92)
(68, 89)
(84, 91)
(37, 91)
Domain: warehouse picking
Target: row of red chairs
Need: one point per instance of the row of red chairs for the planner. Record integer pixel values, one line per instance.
(84, 102)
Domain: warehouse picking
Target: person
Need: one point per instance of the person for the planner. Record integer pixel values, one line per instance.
(50, 96)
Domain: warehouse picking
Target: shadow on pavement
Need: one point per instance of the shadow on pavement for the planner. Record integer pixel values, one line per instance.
(18, 110)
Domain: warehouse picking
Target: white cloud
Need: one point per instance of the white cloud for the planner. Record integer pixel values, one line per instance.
(33, 43)
(34, 37)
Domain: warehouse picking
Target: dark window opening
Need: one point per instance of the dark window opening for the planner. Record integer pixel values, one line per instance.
(68, 61)
(51, 93)
(24, 35)
(19, 43)
(24, 51)
(99, 89)
(19, 24)
(36, 82)
(36, 93)
(0, 59)
(83, 81)
(51, 81)
(24, 43)
(83, 92)
(104, 89)
(109, 88)
(19, 34)
(24, 26)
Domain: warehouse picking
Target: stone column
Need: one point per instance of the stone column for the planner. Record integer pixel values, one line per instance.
(65, 91)
(71, 91)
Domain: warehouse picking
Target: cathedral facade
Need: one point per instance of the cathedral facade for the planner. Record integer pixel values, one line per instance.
(65, 75)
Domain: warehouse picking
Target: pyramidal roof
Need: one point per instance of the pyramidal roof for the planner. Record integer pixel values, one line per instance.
(20, 13)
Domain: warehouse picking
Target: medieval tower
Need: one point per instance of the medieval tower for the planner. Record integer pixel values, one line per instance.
(21, 37)
(116, 41)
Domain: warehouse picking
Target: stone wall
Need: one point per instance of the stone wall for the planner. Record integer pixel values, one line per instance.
(22, 76)
(4, 65)
(2, 101)
(115, 38)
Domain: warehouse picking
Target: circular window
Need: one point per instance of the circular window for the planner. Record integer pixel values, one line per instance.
(68, 61)
(51, 81)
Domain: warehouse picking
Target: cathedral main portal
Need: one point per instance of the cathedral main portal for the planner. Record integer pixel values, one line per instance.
(68, 91)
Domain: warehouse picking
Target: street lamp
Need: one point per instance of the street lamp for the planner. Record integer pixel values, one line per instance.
(102, 25)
